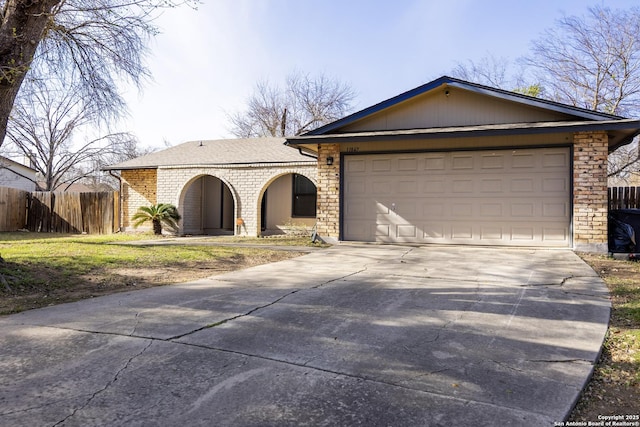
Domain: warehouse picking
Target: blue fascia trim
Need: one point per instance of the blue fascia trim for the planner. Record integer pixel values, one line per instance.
(470, 133)
(478, 88)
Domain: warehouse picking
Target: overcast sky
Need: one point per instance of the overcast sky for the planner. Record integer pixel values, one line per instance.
(206, 62)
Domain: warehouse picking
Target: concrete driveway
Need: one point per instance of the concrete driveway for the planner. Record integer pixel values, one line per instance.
(352, 335)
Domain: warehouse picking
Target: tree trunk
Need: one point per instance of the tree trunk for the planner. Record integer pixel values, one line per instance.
(157, 227)
(24, 23)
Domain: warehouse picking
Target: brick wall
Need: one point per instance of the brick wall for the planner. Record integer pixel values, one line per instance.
(139, 188)
(247, 185)
(590, 191)
(328, 211)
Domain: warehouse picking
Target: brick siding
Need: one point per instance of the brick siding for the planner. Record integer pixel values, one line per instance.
(139, 188)
(247, 184)
(328, 211)
(590, 191)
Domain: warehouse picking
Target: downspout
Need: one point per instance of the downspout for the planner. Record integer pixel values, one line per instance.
(120, 213)
(305, 154)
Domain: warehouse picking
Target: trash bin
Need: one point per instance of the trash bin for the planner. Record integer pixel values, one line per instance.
(624, 231)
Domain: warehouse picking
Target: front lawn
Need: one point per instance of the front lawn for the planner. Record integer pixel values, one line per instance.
(38, 270)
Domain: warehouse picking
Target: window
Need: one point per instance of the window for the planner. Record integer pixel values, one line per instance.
(304, 197)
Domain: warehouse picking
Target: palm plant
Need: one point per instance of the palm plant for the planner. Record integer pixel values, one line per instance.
(162, 213)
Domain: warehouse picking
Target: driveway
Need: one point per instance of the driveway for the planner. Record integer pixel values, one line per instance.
(353, 335)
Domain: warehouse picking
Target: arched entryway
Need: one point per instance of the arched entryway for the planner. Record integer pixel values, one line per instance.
(208, 207)
(288, 205)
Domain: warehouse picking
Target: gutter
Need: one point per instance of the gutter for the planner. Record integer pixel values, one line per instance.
(300, 150)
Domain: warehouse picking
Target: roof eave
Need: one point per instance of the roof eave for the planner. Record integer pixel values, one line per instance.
(473, 87)
(472, 131)
(212, 165)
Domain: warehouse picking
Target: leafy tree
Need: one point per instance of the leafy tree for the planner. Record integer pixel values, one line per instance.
(90, 44)
(159, 215)
(305, 103)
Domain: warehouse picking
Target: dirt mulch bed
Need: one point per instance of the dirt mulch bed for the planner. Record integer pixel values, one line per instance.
(614, 388)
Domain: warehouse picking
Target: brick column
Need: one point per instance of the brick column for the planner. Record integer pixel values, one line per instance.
(590, 202)
(328, 205)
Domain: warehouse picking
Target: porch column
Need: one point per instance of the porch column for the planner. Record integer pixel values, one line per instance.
(590, 152)
(328, 202)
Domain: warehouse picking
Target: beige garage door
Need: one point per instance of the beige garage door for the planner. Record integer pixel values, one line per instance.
(500, 197)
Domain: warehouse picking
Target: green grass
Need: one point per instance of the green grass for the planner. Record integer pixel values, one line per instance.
(80, 254)
(38, 267)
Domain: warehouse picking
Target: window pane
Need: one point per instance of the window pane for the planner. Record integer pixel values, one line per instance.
(302, 185)
(304, 197)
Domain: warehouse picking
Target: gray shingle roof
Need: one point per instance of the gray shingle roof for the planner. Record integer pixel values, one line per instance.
(218, 152)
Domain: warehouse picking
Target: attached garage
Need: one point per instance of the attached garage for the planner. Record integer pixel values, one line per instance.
(454, 162)
(488, 197)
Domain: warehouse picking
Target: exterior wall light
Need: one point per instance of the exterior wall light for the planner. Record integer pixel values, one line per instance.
(329, 161)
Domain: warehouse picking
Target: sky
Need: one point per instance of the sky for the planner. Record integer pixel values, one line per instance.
(206, 62)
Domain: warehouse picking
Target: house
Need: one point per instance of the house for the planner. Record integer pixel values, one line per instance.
(449, 162)
(16, 175)
(237, 186)
(453, 162)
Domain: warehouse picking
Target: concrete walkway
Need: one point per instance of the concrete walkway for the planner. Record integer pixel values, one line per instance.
(349, 336)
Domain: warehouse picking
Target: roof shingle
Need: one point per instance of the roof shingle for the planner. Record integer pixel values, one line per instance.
(218, 152)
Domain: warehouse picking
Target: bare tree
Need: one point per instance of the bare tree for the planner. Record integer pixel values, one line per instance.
(592, 61)
(498, 73)
(45, 129)
(489, 70)
(88, 43)
(304, 104)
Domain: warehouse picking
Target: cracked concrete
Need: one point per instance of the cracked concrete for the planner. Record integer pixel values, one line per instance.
(352, 335)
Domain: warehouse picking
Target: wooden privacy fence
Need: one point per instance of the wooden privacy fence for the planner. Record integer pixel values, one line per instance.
(58, 212)
(624, 198)
(13, 205)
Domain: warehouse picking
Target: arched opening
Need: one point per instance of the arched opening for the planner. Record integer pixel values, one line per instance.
(208, 207)
(288, 206)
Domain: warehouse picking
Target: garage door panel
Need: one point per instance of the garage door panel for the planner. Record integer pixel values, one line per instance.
(489, 234)
(406, 186)
(381, 165)
(434, 163)
(555, 210)
(383, 230)
(551, 185)
(555, 234)
(433, 185)
(492, 161)
(356, 209)
(355, 165)
(381, 188)
(462, 162)
(555, 161)
(408, 164)
(382, 208)
(496, 197)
